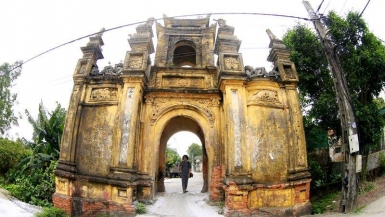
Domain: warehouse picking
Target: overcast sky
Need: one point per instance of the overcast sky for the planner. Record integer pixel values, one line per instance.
(28, 28)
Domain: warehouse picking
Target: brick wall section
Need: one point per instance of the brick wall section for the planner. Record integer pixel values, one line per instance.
(216, 185)
(62, 202)
(95, 208)
(302, 192)
(236, 200)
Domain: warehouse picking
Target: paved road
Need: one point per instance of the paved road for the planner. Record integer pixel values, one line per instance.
(193, 204)
(10, 207)
(174, 203)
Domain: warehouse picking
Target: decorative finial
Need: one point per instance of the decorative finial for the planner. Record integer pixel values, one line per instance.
(150, 21)
(271, 35)
(101, 32)
(275, 42)
(221, 22)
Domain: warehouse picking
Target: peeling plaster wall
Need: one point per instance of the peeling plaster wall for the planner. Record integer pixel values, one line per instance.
(94, 149)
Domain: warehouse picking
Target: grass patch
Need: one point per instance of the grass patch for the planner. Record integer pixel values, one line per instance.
(366, 187)
(221, 205)
(359, 209)
(140, 208)
(325, 202)
(52, 212)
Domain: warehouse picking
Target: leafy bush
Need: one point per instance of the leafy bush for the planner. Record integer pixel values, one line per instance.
(52, 212)
(172, 158)
(33, 186)
(317, 174)
(366, 187)
(10, 154)
(140, 208)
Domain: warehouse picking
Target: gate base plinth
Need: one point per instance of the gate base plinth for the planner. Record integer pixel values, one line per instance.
(285, 199)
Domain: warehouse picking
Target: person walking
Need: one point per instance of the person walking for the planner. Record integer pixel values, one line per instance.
(185, 170)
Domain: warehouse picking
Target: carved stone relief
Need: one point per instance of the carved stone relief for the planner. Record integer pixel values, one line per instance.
(108, 70)
(101, 94)
(161, 105)
(266, 98)
(289, 71)
(135, 62)
(231, 63)
(183, 82)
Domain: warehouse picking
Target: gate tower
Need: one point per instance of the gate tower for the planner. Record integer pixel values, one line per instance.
(120, 118)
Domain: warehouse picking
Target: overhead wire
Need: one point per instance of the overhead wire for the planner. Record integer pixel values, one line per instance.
(320, 5)
(140, 22)
(364, 8)
(177, 144)
(326, 6)
(343, 6)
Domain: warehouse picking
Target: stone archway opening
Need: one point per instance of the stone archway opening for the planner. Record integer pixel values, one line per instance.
(184, 54)
(175, 125)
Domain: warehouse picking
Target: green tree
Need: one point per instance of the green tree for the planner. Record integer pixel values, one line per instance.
(363, 60)
(10, 154)
(33, 180)
(172, 158)
(380, 102)
(7, 98)
(194, 150)
(47, 133)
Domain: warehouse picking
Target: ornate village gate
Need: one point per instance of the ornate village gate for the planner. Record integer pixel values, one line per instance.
(120, 118)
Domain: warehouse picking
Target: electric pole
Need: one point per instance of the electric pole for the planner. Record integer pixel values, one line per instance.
(349, 139)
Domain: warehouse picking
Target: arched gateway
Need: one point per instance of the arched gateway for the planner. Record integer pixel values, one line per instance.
(120, 118)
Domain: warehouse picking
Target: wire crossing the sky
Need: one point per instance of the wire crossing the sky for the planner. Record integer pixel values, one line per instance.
(140, 22)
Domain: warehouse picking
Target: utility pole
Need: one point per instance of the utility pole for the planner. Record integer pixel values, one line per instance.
(349, 139)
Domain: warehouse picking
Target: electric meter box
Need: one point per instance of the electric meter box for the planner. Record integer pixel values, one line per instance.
(353, 143)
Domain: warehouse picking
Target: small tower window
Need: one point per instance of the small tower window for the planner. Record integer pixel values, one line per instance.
(184, 54)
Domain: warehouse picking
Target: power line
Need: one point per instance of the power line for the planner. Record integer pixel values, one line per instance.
(343, 6)
(179, 16)
(364, 9)
(326, 6)
(177, 144)
(320, 5)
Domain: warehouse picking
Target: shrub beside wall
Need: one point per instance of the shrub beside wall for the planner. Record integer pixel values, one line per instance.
(10, 154)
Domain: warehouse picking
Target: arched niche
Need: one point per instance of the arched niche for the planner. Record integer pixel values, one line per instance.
(184, 54)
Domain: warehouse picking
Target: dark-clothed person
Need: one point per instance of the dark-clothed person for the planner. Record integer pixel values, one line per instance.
(185, 169)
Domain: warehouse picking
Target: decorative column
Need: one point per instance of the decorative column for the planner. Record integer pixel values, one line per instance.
(232, 77)
(298, 175)
(135, 75)
(92, 52)
(280, 56)
(66, 168)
